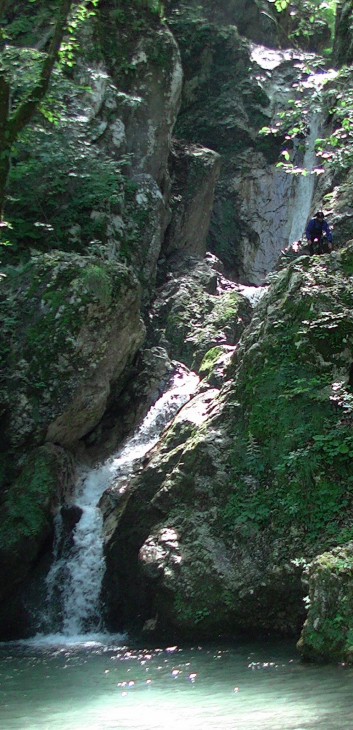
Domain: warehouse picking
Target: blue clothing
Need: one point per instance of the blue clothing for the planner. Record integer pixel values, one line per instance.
(316, 228)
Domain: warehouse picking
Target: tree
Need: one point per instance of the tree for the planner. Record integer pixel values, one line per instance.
(16, 111)
(308, 24)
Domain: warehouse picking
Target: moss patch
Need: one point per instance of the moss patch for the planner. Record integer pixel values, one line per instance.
(26, 507)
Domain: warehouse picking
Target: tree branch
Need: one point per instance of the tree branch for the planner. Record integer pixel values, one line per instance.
(3, 4)
(25, 111)
(4, 105)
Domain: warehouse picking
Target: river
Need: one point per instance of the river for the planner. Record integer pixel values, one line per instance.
(108, 682)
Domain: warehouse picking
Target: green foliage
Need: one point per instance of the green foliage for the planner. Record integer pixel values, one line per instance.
(308, 17)
(155, 6)
(190, 612)
(328, 631)
(97, 282)
(25, 510)
(301, 493)
(336, 150)
(81, 12)
(245, 506)
(330, 94)
(293, 443)
(58, 178)
(21, 67)
(45, 304)
(122, 7)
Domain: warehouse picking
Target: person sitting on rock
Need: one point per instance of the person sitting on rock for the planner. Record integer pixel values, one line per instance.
(315, 231)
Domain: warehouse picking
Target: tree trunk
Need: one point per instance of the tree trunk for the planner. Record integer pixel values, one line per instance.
(11, 125)
(5, 147)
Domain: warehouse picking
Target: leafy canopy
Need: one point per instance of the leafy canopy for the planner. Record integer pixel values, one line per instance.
(307, 17)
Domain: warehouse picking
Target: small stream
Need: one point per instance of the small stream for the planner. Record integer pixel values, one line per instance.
(305, 184)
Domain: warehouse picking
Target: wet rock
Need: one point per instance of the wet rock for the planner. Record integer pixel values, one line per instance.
(149, 375)
(252, 492)
(71, 515)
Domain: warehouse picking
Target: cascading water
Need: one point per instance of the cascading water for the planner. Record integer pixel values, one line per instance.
(301, 205)
(75, 578)
(304, 190)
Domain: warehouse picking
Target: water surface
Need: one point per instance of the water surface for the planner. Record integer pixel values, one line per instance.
(104, 684)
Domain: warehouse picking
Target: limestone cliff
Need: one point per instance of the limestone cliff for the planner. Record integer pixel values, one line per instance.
(136, 219)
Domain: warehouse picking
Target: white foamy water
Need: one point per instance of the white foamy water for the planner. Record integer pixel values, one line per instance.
(253, 293)
(75, 579)
(269, 58)
(304, 190)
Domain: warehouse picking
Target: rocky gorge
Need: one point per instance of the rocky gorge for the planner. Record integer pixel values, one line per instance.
(159, 234)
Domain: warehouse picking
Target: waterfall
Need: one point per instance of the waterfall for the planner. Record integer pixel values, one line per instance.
(301, 205)
(75, 578)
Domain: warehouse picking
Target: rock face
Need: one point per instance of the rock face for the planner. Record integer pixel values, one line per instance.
(27, 511)
(343, 46)
(194, 173)
(131, 112)
(144, 66)
(247, 15)
(71, 319)
(253, 480)
(219, 523)
(232, 90)
(71, 327)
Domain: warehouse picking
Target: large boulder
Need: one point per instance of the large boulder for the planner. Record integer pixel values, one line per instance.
(71, 327)
(194, 174)
(142, 94)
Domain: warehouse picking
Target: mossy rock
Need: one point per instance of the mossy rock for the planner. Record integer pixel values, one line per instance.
(328, 631)
(64, 333)
(196, 311)
(28, 507)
